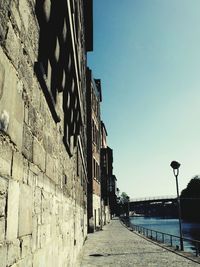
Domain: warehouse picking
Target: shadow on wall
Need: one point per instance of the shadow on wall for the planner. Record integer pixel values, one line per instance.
(55, 68)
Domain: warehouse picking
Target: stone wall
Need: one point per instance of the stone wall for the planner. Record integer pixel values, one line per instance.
(105, 210)
(97, 213)
(43, 220)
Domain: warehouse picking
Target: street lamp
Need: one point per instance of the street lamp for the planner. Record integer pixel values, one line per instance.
(175, 166)
(128, 205)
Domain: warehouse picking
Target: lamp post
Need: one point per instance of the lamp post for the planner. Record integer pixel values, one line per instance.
(128, 205)
(175, 166)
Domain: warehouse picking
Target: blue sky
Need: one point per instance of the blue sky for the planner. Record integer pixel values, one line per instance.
(147, 55)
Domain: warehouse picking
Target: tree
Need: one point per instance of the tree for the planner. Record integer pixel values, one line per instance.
(193, 188)
(190, 199)
(124, 203)
(124, 198)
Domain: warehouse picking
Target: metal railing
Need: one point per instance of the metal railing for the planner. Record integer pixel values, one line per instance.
(161, 237)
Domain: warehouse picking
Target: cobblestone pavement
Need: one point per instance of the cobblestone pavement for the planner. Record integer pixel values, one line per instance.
(117, 246)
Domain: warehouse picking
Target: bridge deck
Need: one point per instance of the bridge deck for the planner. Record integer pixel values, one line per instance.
(157, 198)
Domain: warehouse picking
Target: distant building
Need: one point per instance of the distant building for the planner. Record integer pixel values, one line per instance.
(106, 172)
(94, 99)
(109, 191)
(113, 194)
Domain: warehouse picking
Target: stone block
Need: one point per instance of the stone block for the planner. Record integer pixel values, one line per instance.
(38, 130)
(25, 171)
(35, 118)
(15, 15)
(37, 201)
(34, 169)
(4, 19)
(34, 173)
(3, 255)
(11, 101)
(45, 234)
(27, 143)
(2, 78)
(26, 114)
(24, 11)
(25, 246)
(13, 252)
(17, 167)
(13, 45)
(3, 187)
(32, 117)
(33, 39)
(46, 198)
(38, 155)
(53, 227)
(34, 240)
(48, 144)
(49, 185)
(5, 159)
(52, 168)
(3, 193)
(30, 48)
(31, 179)
(2, 206)
(26, 262)
(2, 229)
(13, 208)
(39, 258)
(55, 204)
(25, 210)
(26, 73)
(40, 180)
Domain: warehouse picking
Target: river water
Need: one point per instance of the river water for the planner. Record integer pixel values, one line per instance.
(170, 226)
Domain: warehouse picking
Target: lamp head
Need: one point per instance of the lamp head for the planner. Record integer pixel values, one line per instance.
(175, 165)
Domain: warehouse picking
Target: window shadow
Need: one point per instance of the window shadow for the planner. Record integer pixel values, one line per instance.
(55, 66)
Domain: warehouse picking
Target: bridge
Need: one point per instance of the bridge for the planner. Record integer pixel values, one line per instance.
(167, 198)
(155, 206)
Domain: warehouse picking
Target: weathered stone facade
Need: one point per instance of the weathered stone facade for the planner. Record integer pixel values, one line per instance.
(43, 175)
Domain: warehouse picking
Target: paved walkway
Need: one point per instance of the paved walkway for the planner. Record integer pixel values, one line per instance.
(117, 246)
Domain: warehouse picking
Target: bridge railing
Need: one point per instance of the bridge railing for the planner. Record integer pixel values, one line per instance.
(162, 237)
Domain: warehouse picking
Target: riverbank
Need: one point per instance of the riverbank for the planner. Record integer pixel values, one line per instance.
(116, 245)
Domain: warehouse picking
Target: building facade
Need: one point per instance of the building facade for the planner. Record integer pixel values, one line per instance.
(94, 134)
(106, 171)
(109, 190)
(43, 139)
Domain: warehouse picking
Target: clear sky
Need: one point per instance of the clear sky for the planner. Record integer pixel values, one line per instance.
(147, 55)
